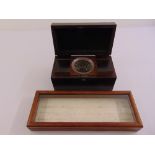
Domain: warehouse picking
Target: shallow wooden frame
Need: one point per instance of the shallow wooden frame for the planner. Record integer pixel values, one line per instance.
(122, 126)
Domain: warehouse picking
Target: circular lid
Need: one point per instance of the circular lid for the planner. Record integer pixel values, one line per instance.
(82, 65)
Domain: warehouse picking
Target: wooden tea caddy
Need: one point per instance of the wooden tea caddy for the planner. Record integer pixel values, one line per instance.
(83, 76)
(83, 56)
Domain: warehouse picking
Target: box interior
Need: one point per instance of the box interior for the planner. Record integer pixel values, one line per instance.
(84, 108)
(83, 39)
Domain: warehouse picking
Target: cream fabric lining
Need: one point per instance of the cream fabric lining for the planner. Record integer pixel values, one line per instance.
(94, 108)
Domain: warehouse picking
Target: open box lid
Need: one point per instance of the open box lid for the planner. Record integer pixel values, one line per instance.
(83, 38)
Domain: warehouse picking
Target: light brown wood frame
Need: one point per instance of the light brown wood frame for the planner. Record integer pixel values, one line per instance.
(122, 126)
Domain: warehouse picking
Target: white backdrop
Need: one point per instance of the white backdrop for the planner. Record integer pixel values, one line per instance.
(26, 60)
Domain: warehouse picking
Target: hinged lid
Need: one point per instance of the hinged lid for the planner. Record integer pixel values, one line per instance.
(83, 38)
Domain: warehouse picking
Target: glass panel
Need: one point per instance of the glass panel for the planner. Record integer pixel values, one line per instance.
(84, 108)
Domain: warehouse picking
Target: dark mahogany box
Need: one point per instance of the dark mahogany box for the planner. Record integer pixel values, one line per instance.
(83, 56)
(84, 110)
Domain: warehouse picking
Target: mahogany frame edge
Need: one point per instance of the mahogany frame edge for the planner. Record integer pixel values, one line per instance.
(111, 126)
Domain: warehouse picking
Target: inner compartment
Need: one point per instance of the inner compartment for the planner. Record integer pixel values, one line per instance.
(103, 67)
(84, 108)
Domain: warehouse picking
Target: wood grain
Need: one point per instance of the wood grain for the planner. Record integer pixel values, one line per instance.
(83, 125)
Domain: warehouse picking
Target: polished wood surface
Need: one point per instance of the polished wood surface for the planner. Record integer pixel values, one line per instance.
(83, 125)
(93, 39)
(102, 78)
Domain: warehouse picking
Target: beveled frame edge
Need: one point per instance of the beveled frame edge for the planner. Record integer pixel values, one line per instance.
(135, 110)
(33, 110)
(85, 125)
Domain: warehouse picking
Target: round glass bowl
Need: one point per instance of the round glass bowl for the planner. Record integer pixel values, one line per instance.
(82, 65)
